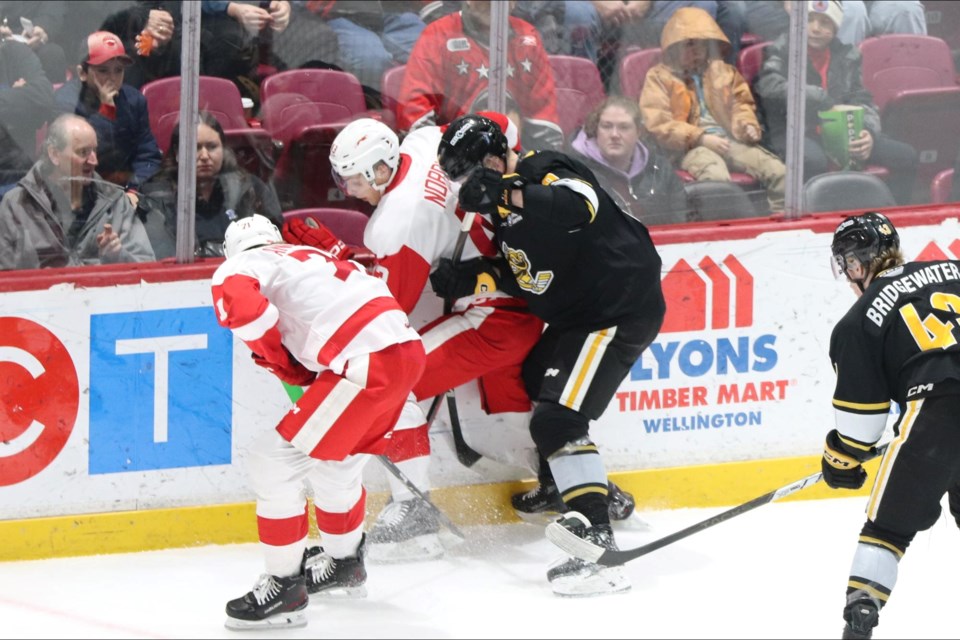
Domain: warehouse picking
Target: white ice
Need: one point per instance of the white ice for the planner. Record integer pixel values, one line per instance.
(776, 572)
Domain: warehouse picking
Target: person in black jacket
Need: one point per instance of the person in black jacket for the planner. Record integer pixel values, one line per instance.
(127, 150)
(592, 273)
(26, 102)
(638, 176)
(225, 192)
(834, 77)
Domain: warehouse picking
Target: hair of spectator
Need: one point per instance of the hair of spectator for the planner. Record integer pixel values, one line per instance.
(170, 161)
(630, 106)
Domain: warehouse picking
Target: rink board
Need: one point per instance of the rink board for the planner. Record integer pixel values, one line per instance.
(128, 411)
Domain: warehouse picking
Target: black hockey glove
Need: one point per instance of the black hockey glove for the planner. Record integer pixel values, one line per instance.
(488, 192)
(452, 280)
(841, 463)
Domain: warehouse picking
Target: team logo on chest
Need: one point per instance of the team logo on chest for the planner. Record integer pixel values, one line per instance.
(536, 283)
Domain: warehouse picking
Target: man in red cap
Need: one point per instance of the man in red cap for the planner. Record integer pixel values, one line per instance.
(127, 150)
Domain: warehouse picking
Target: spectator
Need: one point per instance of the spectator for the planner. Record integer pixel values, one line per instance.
(373, 36)
(899, 16)
(237, 38)
(770, 19)
(151, 29)
(46, 16)
(568, 27)
(307, 43)
(833, 78)
(639, 177)
(127, 149)
(62, 214)
(225, 192)
(26, 101)
(640, 24)
(700, 108)
(448, 75)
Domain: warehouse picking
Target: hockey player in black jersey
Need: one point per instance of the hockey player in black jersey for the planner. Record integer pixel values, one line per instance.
(591, 272)
(898, 342)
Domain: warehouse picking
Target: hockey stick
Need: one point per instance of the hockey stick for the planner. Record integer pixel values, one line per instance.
(465, 453)
(295, 393)
(573, 544)
(441, 516)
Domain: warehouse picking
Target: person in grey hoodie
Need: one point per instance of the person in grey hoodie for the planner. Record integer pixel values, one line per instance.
(63, 214)
(640, 177)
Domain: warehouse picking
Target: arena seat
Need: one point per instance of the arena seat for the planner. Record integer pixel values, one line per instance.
(633, 70)
(579, 90)
(845, 190)
(897, 62)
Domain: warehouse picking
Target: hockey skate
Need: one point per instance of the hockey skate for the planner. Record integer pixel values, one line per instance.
(543, 503)
(574, 577)
(335, 577)
(274, 602)
(862, 615)
(404, 531)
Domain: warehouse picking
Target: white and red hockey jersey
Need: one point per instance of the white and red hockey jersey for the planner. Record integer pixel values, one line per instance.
(448, 71)
(323, 311)
(417, 223)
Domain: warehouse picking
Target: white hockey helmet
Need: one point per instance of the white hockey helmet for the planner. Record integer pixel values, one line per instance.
(360, 147)
(246, 233)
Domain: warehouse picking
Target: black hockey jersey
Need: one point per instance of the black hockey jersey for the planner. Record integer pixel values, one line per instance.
(899, 342)
(577, 258)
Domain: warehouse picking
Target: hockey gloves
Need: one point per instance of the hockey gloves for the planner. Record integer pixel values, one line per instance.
(487, 191)
(311, 232)
(841, 463)
(452, 280)
(291, 372)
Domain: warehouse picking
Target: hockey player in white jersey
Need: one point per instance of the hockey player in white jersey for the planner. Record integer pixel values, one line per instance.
(327, 325)
(486, 336)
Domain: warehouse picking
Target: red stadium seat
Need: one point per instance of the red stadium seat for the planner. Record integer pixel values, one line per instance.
(299, 97)
(893, 63)
(390, 89)
(221, 98)
(941, 186)
(218, 96)
(346, 224)
(750, 60)
(633, 70)
(579, 90)
(303, 175)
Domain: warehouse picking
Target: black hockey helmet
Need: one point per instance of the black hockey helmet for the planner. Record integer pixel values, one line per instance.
(860, 239)
(467, 141)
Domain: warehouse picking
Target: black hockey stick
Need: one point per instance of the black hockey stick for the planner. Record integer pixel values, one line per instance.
(294, 393)
(465, 453)
(566, 539)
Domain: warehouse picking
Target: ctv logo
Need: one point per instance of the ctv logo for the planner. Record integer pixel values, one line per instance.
(708, 296)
